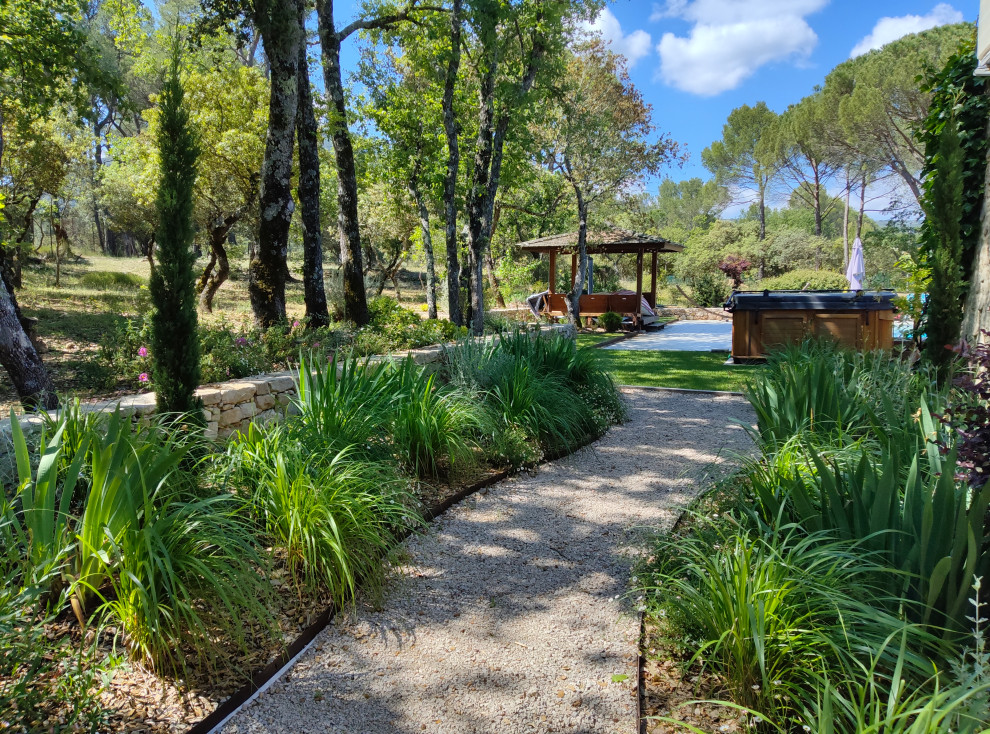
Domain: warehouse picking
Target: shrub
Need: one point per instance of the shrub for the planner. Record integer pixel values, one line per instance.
(386, 313)
(733, 266)
(229, 354)
(283, 343)
(498, 324)
(709, 289)
(610, 321)
(812, 280)
(108, 280)
(124, 353)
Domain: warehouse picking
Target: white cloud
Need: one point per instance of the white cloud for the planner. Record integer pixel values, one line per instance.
(633, 46)
(891, 28)
(730, 40)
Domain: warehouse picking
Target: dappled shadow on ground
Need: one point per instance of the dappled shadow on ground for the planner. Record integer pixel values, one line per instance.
(510, 616)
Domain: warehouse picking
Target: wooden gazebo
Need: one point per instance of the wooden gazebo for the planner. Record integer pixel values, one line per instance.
(611, 240)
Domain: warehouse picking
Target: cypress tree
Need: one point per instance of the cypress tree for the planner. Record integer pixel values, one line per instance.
(943, 206)
(174, 338)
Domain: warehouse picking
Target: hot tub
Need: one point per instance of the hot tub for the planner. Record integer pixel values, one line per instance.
(764, 320)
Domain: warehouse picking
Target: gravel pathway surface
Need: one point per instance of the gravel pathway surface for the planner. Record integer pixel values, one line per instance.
(511, 614)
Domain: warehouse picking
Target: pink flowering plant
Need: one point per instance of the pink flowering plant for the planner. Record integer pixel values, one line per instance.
(124, 356)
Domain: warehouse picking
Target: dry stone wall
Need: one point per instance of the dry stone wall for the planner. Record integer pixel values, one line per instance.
(229, 407)
(694, 314)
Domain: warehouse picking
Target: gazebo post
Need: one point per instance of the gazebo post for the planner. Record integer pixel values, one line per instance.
(553, 271)
(639, 288)
(653, 280)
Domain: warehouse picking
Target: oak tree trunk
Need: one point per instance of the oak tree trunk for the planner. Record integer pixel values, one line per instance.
(19, 357)
(478, 198)
(490, 261)
(280, 35)
(574, 297)
(314, 292)
(355, 298)
(218, 255)
(424, 226)
(453, 164)
(487, 170)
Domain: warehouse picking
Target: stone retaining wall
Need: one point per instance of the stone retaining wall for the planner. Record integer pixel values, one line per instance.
(229, 407)
(694, 314)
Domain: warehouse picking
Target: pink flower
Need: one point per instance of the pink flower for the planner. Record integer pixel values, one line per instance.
(241, 341)
(143, 352)
(295, 324)
(316, 346)
(143, 377)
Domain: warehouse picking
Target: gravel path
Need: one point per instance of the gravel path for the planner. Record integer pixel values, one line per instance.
(510, 615)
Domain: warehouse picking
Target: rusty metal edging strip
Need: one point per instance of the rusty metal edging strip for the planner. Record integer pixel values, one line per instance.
(640, 671)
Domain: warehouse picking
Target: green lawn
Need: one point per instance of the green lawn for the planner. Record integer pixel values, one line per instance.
(693, 370)
(590, 339)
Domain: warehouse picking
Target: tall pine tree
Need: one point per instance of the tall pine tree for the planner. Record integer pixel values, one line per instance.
(174, 341)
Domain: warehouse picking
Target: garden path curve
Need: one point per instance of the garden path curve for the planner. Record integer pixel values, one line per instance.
(512, 614)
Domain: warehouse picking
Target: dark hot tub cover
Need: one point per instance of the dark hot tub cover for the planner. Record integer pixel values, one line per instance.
(811, 301)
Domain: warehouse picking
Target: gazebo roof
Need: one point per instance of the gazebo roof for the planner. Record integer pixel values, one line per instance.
(610, 239)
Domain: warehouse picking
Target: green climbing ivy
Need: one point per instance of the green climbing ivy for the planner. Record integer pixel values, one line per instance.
(958, 94)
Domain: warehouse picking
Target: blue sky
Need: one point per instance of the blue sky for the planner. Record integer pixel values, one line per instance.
(697, 60)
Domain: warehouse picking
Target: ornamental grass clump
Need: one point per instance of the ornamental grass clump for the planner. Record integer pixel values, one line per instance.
(834, 593)
(433, 427)
(773, 614)
(538, 387)
(112, 521)
(345, 403)
(836, 396)
(335, 516)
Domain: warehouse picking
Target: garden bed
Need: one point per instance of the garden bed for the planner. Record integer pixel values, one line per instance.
(213, 560)
(834, 583)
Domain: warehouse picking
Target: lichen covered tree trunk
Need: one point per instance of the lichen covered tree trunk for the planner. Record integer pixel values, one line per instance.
(574, 297)
(213, 279)
(280, 34)
(453, 164)
(314, 292)
(355, 297)
(424, 227)
(478, 199)
(19, 357)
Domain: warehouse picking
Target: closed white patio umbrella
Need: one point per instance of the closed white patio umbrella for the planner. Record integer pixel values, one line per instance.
(855, 271)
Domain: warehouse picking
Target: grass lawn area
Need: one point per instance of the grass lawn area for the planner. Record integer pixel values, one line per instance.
(693, 370)
(591, 338)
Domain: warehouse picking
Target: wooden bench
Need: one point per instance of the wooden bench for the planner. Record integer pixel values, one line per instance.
(597, 304)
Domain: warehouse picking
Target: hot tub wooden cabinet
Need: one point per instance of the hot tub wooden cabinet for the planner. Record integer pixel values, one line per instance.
(765, 320)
